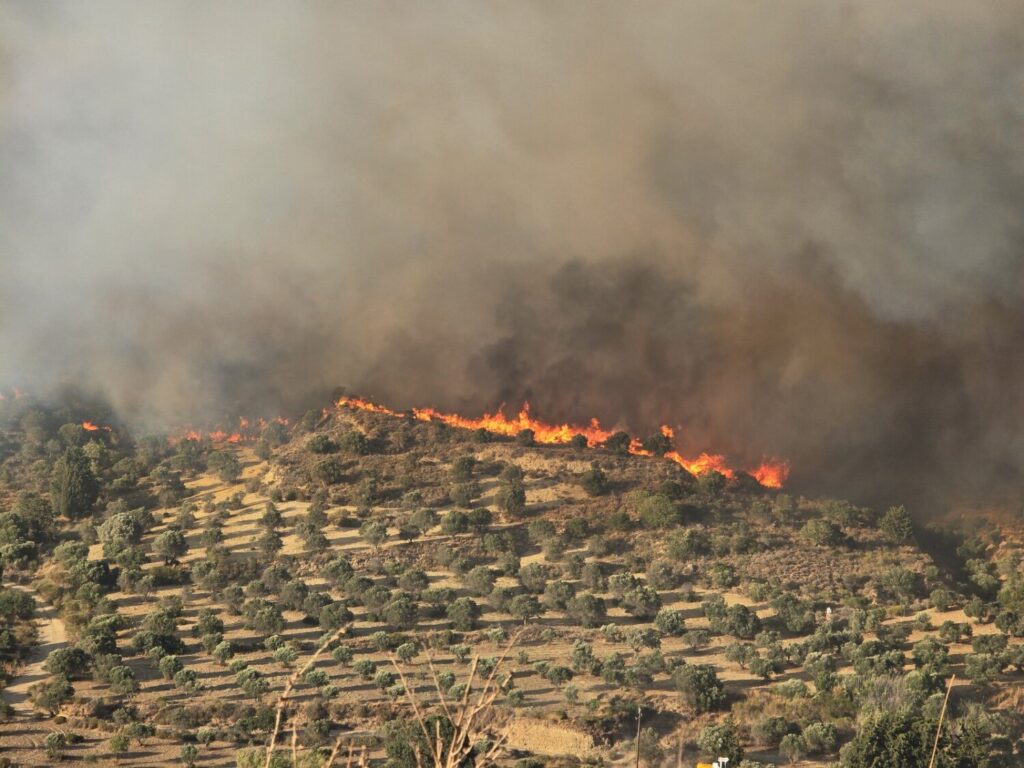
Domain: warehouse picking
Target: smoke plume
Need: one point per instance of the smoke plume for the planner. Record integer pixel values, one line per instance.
(786, 229)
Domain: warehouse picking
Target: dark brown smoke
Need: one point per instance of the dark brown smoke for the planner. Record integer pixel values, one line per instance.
(785, 229)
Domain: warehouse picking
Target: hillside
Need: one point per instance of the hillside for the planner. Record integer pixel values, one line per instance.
(737, 619)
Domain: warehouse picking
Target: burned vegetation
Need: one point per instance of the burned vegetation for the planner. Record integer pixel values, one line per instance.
(373, 588)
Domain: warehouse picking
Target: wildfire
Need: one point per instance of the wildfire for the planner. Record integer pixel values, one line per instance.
(248, 431)
(88, 426)
(263, 423)
(499, 424)
(706, 462)
(770, 474)
(637, 448)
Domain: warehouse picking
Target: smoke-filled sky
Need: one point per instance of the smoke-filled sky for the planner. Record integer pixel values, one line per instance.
(785, 228)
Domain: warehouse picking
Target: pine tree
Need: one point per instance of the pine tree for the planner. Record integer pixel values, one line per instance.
(73, 486)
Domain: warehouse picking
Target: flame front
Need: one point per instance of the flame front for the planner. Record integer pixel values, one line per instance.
(771, 474)
(706, 462)
(217, 436)
(248, 431)
(499, 424)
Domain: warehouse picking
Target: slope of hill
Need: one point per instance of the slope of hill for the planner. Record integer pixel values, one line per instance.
(736, 620)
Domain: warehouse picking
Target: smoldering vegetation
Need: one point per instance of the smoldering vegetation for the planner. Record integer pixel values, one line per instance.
(785, 231)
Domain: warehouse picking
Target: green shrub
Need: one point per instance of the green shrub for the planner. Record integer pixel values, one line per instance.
(822, 532)
(594, 482)
(896, 525)
(721, 741)
(700, 687)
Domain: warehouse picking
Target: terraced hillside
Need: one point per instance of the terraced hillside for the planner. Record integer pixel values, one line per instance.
(735, 620)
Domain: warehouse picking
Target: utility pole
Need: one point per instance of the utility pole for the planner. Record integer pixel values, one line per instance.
(942, 715)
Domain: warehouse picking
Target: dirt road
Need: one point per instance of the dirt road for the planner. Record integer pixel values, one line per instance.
(52, 635)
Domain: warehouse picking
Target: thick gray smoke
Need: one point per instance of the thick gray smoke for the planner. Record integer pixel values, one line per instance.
(786, 228)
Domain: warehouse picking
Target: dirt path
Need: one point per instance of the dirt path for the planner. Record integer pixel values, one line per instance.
(52, 635)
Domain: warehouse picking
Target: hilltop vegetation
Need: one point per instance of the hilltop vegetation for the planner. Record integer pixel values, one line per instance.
(195, 579)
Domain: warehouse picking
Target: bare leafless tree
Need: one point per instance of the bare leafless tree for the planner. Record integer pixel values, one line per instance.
(468, 715)
(283, 699)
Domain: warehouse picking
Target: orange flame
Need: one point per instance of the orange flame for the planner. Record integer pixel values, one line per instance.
(88, 426)
(247, 432)
(704, 463)
(263, 423)
(770, 474)
(499, 424)
(359, 404)
(637, 448)
(184, 437)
